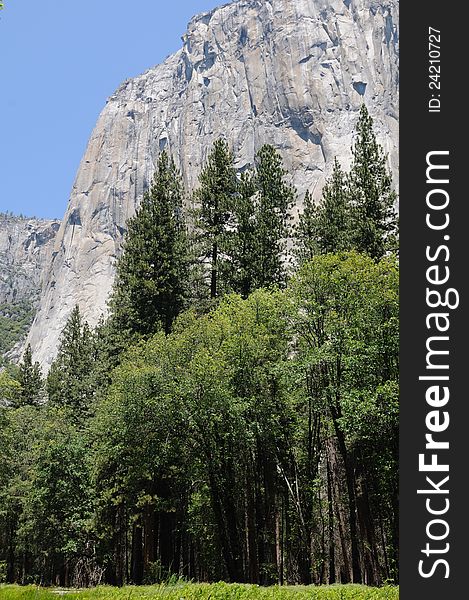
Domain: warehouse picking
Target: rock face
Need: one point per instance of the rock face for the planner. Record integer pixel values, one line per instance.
(288, 72)
(25, 250)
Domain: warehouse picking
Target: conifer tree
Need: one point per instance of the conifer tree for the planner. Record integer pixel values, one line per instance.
(244, 222)
(30, 379)
(375, 222)
(326, 227)
(274, 199)
(69, 381)
(305, 231)
(151, 282)
(333, 215)
(243, 239)
(215, 200)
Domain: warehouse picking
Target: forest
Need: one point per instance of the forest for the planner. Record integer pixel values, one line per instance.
(235, 414)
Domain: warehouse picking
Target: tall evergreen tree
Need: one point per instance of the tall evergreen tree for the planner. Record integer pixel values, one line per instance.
(325, 228)
(69, 382)
(356, 211)
(30, 379)
(242, 247)
(256, 238)
(375, 222)
(152, 273)
(215, 200)
(305, 231)
(273, 202)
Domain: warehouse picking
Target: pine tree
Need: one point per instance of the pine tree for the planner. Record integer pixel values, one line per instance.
(242, 247)
(375, 224)
(152, 274)
(257, 241)
(69, 381)
(30, 379)
(274, 200)
(305, 231)
(215, 201)
(326, 227)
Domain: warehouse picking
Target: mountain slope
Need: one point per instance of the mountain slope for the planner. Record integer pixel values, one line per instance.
(288, 72)
(25, 249)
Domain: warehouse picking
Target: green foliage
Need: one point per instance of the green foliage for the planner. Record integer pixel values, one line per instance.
(326, 228)
(250, 437)
(275, 200)
(244, 222)
(258, 242)
(346, 315)
(182, 396)
(57, 505)
(242, 240)
(5, 454)
(215, 199)
(46, 496)
(306, 246)
(10, 389)
(15, 320)
(216, 591)
(69, 382)
(374, 218)
(222, 402)
(30, 380)
(19, 431)
(151, 282)
(357, 209)
(241, 437)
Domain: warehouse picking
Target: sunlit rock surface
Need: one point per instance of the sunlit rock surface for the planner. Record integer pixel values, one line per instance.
(288, 72)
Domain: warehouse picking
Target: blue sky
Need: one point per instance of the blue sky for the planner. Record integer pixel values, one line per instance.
(59, 61)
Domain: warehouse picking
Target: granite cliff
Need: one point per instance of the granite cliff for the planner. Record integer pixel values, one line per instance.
(25, 250)
(288, 72)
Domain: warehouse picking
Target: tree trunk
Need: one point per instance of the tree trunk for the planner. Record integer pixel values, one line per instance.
(214, 283)
(354, 545)
(352, 507)
(251, 531)
(330, 507)
(119, 549)
(11, 556)
(137, 554)
(371, 558)
(149, 537)
(165, 545)
(223, 535)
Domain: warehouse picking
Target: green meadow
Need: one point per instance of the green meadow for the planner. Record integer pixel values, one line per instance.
(204, 591)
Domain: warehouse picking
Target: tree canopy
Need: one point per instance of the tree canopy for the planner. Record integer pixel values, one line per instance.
(234, 416)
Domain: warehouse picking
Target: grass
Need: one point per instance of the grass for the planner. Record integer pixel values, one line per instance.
(203, 591)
